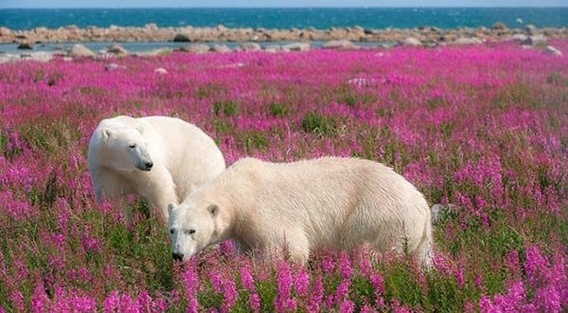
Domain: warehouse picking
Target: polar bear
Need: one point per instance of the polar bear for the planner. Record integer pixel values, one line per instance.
(158, 158)
(334, 203)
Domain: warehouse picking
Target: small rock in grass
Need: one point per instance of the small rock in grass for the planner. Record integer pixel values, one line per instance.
(552, 50)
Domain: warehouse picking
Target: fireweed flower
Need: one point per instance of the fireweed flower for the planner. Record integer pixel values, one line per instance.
(17, 300)
(284, 281)
(327, 264)
(317, 295)
(377, 282)
(302, 282)
(345, 266)
(247, 280)
(39, 300)
(190, 281)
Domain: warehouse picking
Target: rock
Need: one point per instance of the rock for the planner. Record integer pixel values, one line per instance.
(499, 26)
(467, 41)
(196, 48)
(8, 58)
(181, 38)
(273, 49)
(118, 50)
(26, 46)
(411, 41)
(534, 41)
(297, 46)
(369, 31)
(519, 37)
(339, 45)
(362, 82)
(41, 56)
(4, 31)
(160, 70)
(104, 55)
(358, 28)
(151, 26)
(78, 50)
(221, 28)
(113, 67)
(220, 48)
(531, 30)
(250, 47)
(552, 50)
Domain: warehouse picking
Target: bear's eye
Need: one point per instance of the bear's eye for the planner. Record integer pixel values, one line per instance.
(132, 146)
(172, 231)
(189, 231)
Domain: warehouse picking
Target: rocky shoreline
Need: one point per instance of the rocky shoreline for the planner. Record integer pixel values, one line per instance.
(211, 39)
(153, 33)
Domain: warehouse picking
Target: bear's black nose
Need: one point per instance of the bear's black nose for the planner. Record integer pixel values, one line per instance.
(149, 165)
(177, 256)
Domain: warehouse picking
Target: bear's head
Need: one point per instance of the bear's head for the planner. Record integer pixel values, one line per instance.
(194, 225)
(127, 149)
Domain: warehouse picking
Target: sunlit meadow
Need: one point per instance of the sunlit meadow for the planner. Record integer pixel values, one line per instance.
(482, 130)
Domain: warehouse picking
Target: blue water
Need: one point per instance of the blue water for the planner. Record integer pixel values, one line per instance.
(285, 18)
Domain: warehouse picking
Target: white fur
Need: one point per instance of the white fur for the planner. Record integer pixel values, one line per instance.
(337, 203)
(183, 157)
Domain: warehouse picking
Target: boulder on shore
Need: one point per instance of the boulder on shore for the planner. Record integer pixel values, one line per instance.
(196, 48)
(250, 46)
(297, 46)
(26, 46)
(220, 48)
(117, 49)
(412, 42)
(534, 41)
(181, 38)
(78, 50)
(342, 44)
(467, 41)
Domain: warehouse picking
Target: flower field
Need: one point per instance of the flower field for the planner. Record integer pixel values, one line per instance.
(481, 130)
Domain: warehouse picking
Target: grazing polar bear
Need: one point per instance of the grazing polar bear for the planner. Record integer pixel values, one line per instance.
(337, 203)
(159, 158)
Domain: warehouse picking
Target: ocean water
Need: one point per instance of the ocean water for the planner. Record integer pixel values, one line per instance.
(285, 18)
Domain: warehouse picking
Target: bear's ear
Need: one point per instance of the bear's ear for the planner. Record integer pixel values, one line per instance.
(106, 133)
(213, 210)
(171, 208)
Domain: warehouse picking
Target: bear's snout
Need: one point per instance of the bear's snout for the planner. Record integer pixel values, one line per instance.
(177, 256)
(145, 165)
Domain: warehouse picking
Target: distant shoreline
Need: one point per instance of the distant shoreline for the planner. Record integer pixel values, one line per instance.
(220, 33)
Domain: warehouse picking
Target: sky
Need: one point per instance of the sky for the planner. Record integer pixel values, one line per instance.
(6, 4)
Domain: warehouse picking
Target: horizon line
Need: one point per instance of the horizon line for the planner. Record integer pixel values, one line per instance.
(300, 7)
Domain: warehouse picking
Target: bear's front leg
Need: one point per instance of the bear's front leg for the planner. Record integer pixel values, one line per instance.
(292, 244)
(161, 192)
(112, 188)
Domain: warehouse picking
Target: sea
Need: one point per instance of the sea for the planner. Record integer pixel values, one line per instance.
(280, 18)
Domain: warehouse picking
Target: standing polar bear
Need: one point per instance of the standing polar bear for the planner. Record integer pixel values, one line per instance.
(158, 158)
(337, 203)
